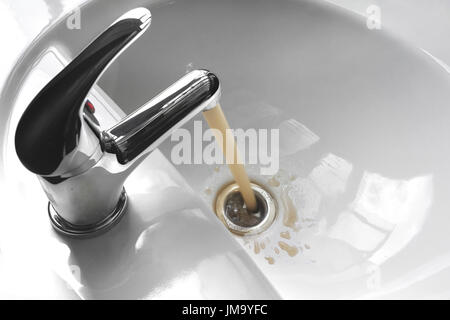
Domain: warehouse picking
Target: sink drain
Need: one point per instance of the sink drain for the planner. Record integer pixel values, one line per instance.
(230, 208)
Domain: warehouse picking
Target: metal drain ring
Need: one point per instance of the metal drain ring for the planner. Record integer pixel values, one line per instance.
(265, 199)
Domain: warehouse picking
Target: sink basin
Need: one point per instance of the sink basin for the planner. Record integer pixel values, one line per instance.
(361, 190)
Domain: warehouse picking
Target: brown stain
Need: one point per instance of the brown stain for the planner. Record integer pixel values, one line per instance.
(290, 250)
(285, 235)
(274, 182)
(256, 247)
(270, 260)
(277, 251)
(217, 169)
(290, 215)
(208, 191)
(263, 245)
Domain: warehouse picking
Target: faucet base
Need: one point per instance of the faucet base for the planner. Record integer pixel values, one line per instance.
(90, 230)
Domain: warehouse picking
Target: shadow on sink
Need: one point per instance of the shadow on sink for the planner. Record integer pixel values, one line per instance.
(162, 248)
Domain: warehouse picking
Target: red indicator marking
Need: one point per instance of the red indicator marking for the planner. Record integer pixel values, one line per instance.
(90, 106)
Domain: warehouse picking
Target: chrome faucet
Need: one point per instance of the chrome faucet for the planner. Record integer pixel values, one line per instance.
(82, 168)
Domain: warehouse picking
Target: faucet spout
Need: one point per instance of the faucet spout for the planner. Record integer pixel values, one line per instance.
(143, 130)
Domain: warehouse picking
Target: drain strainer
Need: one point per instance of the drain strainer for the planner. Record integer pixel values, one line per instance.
(230, 208)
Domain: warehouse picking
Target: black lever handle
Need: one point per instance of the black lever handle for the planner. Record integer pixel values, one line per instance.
(49, 130)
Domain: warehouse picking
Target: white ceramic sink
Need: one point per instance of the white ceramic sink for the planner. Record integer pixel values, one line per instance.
(363, 121)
